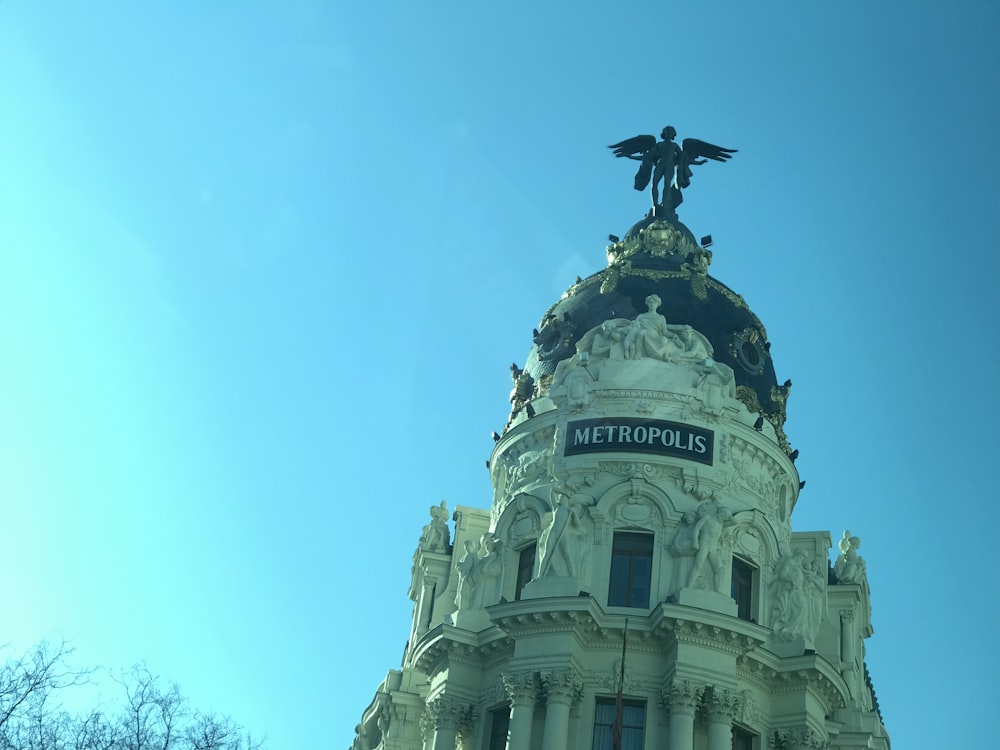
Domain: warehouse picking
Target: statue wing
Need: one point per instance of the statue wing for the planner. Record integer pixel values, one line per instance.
(694, 151)
(638, 147)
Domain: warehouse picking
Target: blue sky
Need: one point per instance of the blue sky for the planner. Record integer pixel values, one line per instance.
(264, 266)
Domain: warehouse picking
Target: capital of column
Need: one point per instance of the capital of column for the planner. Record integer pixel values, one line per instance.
(720, 704)
(445, 712)
(682, 697)
(562, 686)
(799, 738)
(847, 615)
(521, 687)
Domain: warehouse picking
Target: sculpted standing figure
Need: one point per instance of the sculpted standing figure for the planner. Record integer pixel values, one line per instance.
(564, 546)
(487, 570)
(466, 569)
(789, 609)
(683, 548)
(667, 162)
(712, 519)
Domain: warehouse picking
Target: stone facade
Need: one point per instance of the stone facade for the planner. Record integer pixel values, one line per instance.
(641, 504)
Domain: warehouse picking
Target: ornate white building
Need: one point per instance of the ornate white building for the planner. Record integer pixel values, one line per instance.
(643, 494)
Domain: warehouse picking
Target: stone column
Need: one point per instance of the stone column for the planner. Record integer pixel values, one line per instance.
(563, 688)
(721, 707)
(682, 699)
(847, 637)
(522, 691)
(443, 718)
(426, 604)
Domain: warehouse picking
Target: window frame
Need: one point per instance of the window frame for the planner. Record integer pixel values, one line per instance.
(746, 607)
(616, 597)
(520, 581)
(599, 743)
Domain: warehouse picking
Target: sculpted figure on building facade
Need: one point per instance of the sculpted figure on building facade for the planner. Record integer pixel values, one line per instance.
(527, 466)
(850, 566)
(683, 549)
(466, 569)
(577, 383)
(648, 336)
(798, 593)
(487, 571)
(435, 536)
(564, 547)
(707, 533)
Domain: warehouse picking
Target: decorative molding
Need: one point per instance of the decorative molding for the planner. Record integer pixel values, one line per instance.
(521, 687)
(562, 686)
(682, 697)
(799, 738)
(720, 704)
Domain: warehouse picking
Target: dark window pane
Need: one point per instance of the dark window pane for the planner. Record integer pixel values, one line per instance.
(633, 724)
(742, 589)
(498, 728)
(631, 570)
(525, 567)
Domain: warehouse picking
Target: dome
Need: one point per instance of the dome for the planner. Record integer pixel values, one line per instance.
(660, 256)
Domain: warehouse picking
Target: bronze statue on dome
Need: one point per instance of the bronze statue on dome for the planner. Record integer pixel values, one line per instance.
(665, 160)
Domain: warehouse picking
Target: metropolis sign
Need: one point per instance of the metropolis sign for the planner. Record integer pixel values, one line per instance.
(632, 435)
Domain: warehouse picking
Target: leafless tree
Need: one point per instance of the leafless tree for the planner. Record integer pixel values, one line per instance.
(151, 717)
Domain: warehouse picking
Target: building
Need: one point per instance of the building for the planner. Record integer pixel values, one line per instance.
(639, 540)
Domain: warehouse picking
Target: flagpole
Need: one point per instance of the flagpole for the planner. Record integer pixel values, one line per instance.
(616, 739)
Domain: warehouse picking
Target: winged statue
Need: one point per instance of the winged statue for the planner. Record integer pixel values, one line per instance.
(665, 160)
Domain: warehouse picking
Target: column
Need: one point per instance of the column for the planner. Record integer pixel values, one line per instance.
(563, 688)
(682, 698)
(426, 604)
(721, 707)
(522, 691)
(443, 718)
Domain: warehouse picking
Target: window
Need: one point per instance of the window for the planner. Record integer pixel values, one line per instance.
(633, 724)
(742, 589)
(742, 739)
(499, 724)
(631, 570)
(525, 569)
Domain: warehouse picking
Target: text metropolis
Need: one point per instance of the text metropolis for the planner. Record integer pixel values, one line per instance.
(630, 434)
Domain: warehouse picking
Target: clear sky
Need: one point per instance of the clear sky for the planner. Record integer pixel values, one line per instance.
(264, 267)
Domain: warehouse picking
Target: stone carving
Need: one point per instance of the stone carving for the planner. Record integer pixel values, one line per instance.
(445, 712)
(798, 593)
(850, 566)
(577, 384)
(707, 532)
(649, 336)
(564, 546)
(477, 569)
(682, 696)
(683, 549)
(562, 685)
(488, 568)
(722, 704)
(521, 687)
(800, 738)
(465, 568)
(435, 537)
(527, 466)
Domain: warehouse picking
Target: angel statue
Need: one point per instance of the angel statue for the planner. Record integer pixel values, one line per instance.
(663, 159)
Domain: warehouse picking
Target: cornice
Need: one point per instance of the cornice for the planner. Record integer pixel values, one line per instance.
(447, 644)
(789, 675)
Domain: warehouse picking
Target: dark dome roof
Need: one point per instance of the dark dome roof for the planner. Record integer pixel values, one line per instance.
(660, 256)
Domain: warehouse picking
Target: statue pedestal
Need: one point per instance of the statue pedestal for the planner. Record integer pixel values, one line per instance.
(471, 619)
(710, 600)
(788, 646)
(543, 588)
